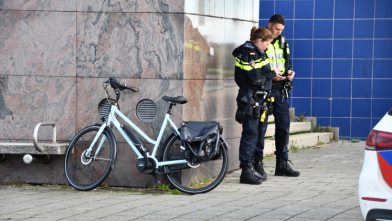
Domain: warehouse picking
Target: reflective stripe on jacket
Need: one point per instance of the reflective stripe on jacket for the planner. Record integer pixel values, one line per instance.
(276, 55)
(251, 67)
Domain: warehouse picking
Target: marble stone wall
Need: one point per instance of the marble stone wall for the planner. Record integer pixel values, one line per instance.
(54, 56)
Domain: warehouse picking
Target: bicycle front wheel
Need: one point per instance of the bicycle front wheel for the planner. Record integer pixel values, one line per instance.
(199, 178)
(86, 170)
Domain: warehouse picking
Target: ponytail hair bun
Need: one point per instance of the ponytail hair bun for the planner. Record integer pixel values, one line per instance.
(252, 32)
(263, 33)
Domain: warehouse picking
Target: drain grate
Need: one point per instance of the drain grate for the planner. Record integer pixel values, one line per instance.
(146, 111)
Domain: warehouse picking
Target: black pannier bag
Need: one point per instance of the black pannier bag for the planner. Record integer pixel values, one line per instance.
(199, 140)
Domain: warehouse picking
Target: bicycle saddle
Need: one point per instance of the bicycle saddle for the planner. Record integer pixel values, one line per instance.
(177, 100)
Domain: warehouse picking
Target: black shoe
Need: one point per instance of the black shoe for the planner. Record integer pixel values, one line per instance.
(249, 176)
(284, 169)
(258, 164)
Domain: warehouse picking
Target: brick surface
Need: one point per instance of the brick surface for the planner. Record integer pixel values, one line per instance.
(326, 190)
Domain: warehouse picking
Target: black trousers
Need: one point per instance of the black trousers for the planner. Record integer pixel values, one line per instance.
(252, 131)
(282, 127)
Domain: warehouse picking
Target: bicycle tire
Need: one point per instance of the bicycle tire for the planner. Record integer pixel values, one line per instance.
(191, 180)
(85, 173)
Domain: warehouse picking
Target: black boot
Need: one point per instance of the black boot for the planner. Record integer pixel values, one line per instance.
(284, 169)
(258, 164)
(249, 176)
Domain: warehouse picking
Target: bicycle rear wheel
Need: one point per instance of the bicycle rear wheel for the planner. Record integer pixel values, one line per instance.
(200, 178)
(83, 171)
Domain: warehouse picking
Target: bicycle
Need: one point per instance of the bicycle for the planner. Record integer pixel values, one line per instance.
(91, 154)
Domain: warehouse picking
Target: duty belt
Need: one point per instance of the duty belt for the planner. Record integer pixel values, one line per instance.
(277, 85)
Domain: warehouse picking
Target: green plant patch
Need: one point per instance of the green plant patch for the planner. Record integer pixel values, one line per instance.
(354, 140)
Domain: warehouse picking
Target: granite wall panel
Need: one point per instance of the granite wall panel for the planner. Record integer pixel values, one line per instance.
(38, 5)
(54, 56)
(27, 100)
(37, 43)
(90, 92)
(130, 45)
(159, 6)
(14, 170)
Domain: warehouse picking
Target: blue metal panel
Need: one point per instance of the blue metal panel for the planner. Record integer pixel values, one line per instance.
(302, 88)
(362, 68)
(303, 49)
(382, 89)
(303, 66)
(343, 29)
(341, 107)
(302, 106)
(303, 29)
(344, 9)
(322, 68)
(362, 127)
(341, 88)
(363, 48)
(304, 9)
(361, 107)
(321, 88)
(321, 107)
(324, 9)
(363, 28)
(322, 49)
(342, 68)
(323, 28)
(364, 8)
(383, 8)
(382, 69)
(382, 49)
(285, 8)
(266, 9)
(362, 88)
(342, 49)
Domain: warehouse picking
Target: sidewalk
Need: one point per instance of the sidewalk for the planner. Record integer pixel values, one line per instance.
(326, 190)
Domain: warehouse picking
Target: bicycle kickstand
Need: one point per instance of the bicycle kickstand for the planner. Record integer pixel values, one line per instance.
(156, 180)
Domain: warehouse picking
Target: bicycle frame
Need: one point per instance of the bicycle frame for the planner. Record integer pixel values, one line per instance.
(112, 120)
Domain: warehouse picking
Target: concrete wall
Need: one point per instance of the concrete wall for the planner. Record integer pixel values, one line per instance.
(54, 56)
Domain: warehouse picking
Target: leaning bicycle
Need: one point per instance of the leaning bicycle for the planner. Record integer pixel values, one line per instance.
(194, 158)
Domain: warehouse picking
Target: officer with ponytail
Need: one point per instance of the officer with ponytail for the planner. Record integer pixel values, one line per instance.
(253, 76)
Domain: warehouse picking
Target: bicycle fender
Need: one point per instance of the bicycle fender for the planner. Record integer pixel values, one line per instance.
(224, 142)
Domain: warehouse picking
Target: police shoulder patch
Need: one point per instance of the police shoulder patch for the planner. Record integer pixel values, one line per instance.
(252, 53)
(252, 63)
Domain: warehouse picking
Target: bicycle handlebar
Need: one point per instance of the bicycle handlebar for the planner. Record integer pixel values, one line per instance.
(114, 83)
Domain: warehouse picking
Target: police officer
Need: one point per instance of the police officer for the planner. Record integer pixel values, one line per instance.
(253, 75)
(278, 53)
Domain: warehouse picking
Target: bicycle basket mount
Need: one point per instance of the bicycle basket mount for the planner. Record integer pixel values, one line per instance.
(104, 108)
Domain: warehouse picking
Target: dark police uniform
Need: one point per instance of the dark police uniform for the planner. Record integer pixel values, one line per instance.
(252, 65)
(278, 58)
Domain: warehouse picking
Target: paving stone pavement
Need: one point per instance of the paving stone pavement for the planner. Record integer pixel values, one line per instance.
(326, 190)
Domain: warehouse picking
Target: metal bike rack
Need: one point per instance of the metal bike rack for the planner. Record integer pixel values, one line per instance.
(35, 134)
(34, 152)
(45, 158)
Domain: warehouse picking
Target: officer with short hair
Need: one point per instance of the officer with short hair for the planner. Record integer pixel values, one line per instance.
(254, 76)
(279, 57)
